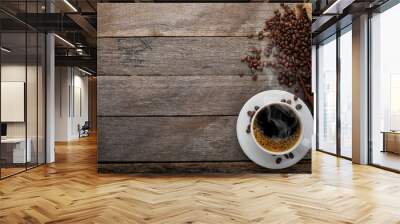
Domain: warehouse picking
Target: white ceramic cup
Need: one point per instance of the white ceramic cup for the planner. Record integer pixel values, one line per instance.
(290, 107)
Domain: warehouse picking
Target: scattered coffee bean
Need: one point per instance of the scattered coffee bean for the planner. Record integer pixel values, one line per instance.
(278, 160)
(256, 107)
(248, 129)
(250, 36)
(250, 113)
(283, 100)
(288, 101)
(286, 156)
(291, 155)
(298, 107)
(295, 97)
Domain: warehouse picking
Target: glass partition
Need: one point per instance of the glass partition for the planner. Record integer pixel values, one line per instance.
(22, 88)
(346, 92)
(41, 97)
(13, 91)
(326, 99)
(385, 89)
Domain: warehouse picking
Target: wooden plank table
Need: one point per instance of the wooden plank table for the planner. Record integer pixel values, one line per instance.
(169, 90)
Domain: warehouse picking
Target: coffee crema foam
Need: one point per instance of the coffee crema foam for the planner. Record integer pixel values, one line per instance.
(277, 128)
(275, 144)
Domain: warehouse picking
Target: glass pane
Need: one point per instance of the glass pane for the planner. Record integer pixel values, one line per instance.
(31, 98)
(346, 94)
(327, 96)
(41, 98)
(385, 89)
(13, 87)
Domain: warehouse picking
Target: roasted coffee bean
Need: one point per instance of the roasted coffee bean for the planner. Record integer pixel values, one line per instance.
(283, 100)
(288, 33)
(288, 101)
(298, 107)
(250, 113)
(278, 160)
(248, 129)
(250, 36)
(295, 97)
(256, 107)
(286, 156)
(291, 155)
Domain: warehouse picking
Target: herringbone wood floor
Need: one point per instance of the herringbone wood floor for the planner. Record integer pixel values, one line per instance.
(70, 191)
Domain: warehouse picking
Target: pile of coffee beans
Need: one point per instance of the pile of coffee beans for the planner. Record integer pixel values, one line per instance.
(288, 51)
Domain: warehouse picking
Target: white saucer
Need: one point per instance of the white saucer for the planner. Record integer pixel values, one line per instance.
(260, 156)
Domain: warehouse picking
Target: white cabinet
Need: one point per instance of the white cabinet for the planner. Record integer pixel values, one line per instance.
(18, 146)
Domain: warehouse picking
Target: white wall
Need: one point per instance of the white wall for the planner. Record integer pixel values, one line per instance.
(71, 102)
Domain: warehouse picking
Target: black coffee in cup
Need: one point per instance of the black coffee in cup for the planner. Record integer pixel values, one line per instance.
(277, 127)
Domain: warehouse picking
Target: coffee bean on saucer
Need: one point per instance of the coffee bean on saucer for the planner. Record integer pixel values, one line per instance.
(278, 160)
(283, 100)
(248, 129)
(286, 156)
(295, 97)
(250, 113)
(291, 155)
(298, 107)
(288, 101)
(256, 107)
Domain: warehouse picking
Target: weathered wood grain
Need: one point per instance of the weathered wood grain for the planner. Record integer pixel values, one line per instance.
(169, 88)
(177, 95)
(168, 139)
(177, 19)
(174, 56)
(302, 166)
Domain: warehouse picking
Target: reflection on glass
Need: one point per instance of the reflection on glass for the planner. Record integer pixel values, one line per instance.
(41, 98)
(22, 92)
(31, 100)
(346, 94)
(327, 96)
(14, 153)
(385, 88)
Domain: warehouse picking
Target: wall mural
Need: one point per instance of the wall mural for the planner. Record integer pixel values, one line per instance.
(210, 87)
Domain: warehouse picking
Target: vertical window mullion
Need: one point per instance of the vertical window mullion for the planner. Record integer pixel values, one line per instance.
(338, 73)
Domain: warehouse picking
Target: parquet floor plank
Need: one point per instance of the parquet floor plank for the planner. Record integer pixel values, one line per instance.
(71, 191)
